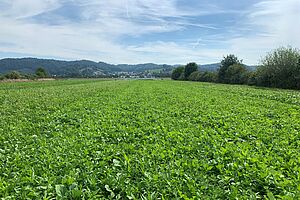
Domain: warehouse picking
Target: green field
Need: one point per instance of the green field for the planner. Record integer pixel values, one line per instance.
(155, 139)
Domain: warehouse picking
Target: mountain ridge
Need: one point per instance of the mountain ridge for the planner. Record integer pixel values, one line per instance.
(86, 68)
(73, 68)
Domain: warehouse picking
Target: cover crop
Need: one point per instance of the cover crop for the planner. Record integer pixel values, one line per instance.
(91, 139)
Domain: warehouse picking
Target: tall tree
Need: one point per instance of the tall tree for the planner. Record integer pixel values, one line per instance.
(189, 69)
(225, 64)
(41, 72)
(177, 73)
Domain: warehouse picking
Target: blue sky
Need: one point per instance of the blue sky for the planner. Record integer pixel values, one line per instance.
(141, 31)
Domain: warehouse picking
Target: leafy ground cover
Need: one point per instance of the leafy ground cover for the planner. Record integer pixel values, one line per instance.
(151, 139)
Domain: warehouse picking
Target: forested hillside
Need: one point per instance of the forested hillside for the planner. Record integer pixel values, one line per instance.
(80, 68)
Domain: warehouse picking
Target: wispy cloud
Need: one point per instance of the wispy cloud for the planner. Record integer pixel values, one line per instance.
(272, 24)
(21, 9)
(163, 31)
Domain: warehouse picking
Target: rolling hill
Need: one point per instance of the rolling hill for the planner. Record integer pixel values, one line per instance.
(87, 68)
(78, 68)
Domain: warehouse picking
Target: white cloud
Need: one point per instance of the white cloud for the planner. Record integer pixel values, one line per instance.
(273, 23)
(27, 8)
(95, 35)
(101, 24)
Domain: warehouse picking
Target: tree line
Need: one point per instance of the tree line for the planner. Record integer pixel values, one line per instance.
(279, 68)
(39, 73)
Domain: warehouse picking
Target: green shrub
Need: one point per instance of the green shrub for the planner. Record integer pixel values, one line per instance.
(195, 76)
(13, 75)
(29, 76)
(209, 77)
(236, 74)
(252, 78)
(280, 68)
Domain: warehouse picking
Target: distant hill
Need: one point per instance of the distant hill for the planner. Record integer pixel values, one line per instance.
(87, 68)
(78, 68)
(56, 67)
(143, 67)
(209, 67)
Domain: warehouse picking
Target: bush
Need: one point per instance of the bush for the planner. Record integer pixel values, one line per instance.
(252, 78)
(280, 68)
(236, 74)
(29, 76)
(203, 76)
(195, 76)
(209, 77)
(13, 75)
(177, 73)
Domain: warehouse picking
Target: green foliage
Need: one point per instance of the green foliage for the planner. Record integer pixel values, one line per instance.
(189, 69)
(203, 76)
(209, 77)
(18, 75)
(13, 75)
(227, 61)
(41, 72)
(252, 77)
(29, 76)
(280, 68)
(177, 73)
(195, 76)
(236, 74)
(89, 139)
